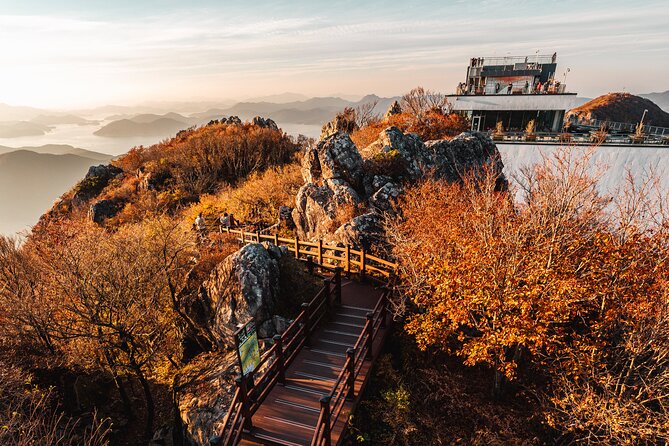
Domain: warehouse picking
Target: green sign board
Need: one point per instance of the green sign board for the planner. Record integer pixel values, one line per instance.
(248, 352)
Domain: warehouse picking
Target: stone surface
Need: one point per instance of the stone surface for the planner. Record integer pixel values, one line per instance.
(265, 123)
(344, 122)
(203, 392)
(394, 109)
(231, 120)
(242, 287)
(339, 183)
(466, 153)
(286, 217)
(102, 210)
(363, 231)
(409, 147)
(334, 158)
(103, 171)
(385, 197)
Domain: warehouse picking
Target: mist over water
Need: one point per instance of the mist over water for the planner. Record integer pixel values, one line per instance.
(81, 136)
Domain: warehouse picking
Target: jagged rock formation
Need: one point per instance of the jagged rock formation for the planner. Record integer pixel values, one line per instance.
(346, 193)
(102, 210)
(244, 286)
(343, 122)
(233, 120)
(394, 109)
(204, 390)
(265, 123)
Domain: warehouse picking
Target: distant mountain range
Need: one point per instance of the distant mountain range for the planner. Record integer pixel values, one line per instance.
(314, 111)
(145, 125)
(661, 99)
(32, 178)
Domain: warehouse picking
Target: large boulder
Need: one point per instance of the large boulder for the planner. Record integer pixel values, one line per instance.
(265, 123)
(101, 210)
(467, 153)
(343, 122)
(414, 158)
(363, 231)
(394, 109)
(96, 179)
(203, 392)
(242, 287)
(334, 158)
(318, 207)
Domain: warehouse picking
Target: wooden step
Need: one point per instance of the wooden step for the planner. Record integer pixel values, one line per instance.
(262, 436)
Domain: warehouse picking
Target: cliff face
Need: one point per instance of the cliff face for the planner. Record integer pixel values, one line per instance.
(347, 192)
(621, 107)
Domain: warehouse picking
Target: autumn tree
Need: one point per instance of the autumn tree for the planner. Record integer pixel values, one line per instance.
(537, 285)
(117, 313)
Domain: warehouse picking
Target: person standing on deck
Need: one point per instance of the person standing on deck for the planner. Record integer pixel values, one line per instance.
(200, 226)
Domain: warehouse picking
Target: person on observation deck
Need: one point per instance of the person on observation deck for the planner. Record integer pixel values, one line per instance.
(225, 221)
(200, 224)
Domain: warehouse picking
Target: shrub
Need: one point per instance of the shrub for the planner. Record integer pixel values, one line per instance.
(256, 200)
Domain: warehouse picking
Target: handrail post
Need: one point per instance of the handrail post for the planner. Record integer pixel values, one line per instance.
(241, 382)
(384, 310)
(279, 358)
(325, 409)
(297, 247)
(258, 236)
(350, 355)
(363, 262)
(320, 251)
(370, 333)
(337, 281)
(307, 322)
(276, 239)
(348, 260)
(328, 294)
(242, 235)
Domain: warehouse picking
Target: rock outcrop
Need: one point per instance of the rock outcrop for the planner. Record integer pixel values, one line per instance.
(231, 120)
(394, 109)
(265, 123)
(343, 122)
(204, 390)
(96, 179)
(347, 191)
(244, 286)
(102, 210)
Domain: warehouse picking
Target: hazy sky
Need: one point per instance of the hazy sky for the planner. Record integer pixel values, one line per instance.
(66, 53)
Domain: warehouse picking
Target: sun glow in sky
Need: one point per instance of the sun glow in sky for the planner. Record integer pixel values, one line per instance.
(73, 53)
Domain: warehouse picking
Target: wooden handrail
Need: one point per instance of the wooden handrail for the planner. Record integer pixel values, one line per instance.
(343, 386)
(245, 401)
(324, 253)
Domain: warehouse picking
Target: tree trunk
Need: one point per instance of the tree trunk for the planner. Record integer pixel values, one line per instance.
(150, 408)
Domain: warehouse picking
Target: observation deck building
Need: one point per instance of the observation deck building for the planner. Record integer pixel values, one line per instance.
(513, 90)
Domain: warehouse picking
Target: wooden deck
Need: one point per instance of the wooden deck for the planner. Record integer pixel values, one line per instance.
(289, 415)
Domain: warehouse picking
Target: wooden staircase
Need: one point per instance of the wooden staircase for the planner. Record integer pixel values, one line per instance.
(311, 378)
(290, 413)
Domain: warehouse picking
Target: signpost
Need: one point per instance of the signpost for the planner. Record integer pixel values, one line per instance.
(248, 353)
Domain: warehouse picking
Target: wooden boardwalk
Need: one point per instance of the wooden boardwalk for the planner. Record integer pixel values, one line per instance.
(311, 378)
(290, 413)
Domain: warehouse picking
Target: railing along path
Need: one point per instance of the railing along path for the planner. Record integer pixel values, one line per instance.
(287, 366)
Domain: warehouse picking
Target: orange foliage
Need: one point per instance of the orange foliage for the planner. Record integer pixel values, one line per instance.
(434, 125)
(494, 284)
